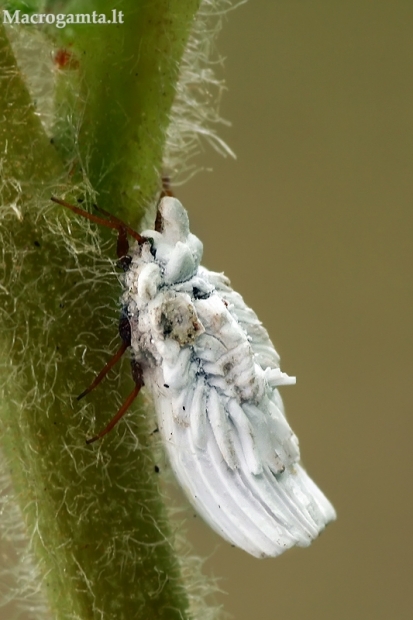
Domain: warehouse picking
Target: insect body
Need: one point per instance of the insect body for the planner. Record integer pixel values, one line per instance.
(213, 374)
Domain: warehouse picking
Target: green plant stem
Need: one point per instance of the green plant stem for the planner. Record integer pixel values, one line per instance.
(94, 513)
(127, 84)
(26, 152)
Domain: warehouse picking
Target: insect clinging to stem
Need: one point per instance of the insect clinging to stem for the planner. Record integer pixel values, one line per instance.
(213, 374)
(124, 326)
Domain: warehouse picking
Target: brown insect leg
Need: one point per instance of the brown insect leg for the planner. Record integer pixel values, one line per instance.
(105, 370)
(137, 375)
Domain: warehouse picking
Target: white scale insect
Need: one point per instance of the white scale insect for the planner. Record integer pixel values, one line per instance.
(213, 374)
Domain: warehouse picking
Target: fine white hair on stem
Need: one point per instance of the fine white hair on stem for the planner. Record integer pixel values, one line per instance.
(195, 114)
(20, 573)
(33, 52)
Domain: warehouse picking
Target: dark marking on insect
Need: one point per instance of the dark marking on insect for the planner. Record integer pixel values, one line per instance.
(158, 222)
(137, 373)
(37, 244)
(167, 325)
(157, 470)
(124, 262)
(199, 294)
(125, 329)
(228, 367)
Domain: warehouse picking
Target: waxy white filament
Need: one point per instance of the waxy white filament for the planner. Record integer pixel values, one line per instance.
(213, 373)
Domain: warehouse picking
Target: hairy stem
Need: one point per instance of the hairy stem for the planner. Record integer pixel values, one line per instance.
(94, 513)
(127, 85)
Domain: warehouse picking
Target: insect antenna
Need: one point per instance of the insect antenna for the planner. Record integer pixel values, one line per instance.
(112, 222)
(121, 225)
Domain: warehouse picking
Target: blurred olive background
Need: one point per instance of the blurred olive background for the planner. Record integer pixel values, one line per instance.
(313, 223)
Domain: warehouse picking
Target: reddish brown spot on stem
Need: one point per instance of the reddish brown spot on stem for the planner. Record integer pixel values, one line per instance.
(65, 59)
